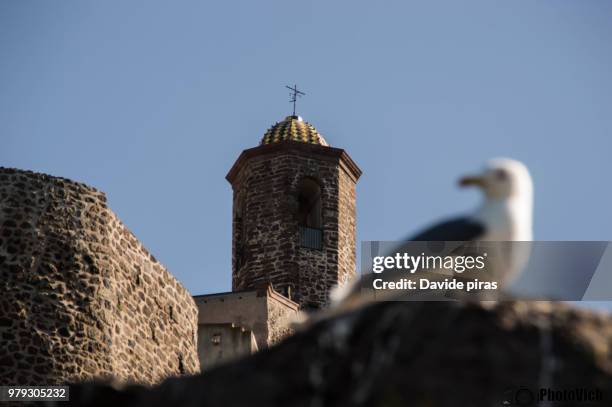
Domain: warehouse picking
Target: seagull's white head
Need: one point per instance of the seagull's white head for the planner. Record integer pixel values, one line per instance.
(508, 206)
(502, 179)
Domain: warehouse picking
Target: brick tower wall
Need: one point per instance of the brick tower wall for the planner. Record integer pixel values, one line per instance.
(80, 296)
(347, 226)
(265, 200)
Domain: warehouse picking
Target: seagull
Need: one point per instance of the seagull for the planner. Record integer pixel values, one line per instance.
(505, 215)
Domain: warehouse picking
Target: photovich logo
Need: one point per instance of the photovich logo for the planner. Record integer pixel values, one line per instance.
(523, 396)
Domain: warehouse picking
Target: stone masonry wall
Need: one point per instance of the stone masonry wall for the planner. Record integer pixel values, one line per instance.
(406, 353)
(80, 295)
(347, 227)
(281, 314)
(266, 243)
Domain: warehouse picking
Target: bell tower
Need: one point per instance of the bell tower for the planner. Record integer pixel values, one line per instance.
(293, 214)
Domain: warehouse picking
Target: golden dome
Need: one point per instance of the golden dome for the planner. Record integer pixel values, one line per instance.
(293, 128)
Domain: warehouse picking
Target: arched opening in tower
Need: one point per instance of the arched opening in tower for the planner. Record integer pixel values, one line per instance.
(309, 214)
(309, 204)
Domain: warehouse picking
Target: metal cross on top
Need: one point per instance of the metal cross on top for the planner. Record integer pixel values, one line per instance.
(295, 93)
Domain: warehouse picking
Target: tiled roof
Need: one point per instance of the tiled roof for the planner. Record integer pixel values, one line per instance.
(293, 128)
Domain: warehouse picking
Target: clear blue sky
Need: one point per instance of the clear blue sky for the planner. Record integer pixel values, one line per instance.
(153, 101)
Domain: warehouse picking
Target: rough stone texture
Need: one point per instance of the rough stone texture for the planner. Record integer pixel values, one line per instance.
(404, 354)
(281, 313)
(266, 244)
(347, 227)
(264, 312)
(80, 296)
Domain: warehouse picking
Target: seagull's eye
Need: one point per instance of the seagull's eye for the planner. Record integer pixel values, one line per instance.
(501, 175)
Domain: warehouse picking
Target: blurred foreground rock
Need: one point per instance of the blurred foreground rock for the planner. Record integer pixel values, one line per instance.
(404, 353)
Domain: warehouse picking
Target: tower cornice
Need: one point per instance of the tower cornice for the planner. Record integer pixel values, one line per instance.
(325, 152)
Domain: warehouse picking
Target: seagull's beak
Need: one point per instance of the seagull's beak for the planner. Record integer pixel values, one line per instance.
(471, 180)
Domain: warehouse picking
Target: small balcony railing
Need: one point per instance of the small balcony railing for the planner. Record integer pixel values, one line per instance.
(311, 238)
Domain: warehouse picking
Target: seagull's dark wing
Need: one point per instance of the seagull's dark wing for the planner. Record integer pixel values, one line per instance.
(459, 229)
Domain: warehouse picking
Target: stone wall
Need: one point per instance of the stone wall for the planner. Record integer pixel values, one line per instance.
(442, 354)
(347, 226)
(281, 314)
(266, 245)
(80, 295)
